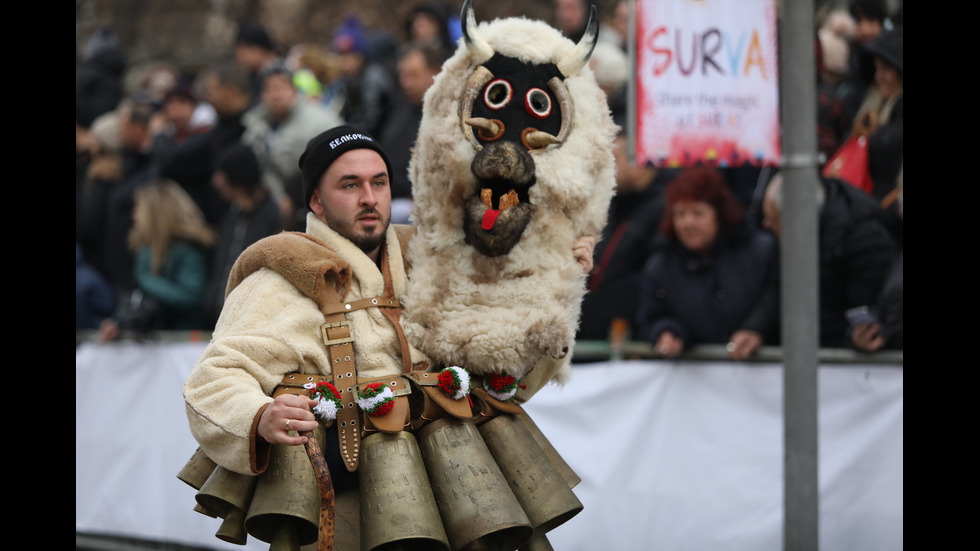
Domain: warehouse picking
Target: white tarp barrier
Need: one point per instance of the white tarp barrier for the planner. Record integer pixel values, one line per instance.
(672, 455)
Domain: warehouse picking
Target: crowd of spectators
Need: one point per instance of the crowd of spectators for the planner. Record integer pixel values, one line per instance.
(689, 256)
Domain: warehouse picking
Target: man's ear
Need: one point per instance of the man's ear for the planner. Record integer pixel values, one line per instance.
(315, 205)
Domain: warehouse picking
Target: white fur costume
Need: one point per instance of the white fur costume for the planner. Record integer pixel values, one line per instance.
(516, 313)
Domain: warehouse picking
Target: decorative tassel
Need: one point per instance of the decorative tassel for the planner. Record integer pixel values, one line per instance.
(501, 387)
(328, 400)
(455, 382)
(376, 399)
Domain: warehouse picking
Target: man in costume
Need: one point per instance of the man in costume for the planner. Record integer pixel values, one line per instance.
(309, 347)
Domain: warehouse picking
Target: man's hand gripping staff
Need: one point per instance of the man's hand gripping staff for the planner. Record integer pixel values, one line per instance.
(293, 412)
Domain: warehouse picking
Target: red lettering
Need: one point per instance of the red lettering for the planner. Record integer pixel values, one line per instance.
(662, 56)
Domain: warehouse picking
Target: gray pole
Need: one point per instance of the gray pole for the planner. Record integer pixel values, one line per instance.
(799, 246)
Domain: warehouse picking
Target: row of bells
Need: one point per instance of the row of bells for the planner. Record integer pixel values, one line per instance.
(451, 486)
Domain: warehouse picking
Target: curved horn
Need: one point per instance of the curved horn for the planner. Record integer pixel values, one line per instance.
(480, 76)
(537, 139)
(573, 62)
(565, 102)
(488, 128)
(474, 42)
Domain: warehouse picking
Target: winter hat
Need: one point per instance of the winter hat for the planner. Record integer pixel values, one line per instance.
(350, 37)
(326, 147)
(252, 34)
(888, 46)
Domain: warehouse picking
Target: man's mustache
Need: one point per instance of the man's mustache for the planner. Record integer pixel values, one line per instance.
(370, 211)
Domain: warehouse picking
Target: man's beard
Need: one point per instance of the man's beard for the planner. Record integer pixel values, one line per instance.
(365, 242)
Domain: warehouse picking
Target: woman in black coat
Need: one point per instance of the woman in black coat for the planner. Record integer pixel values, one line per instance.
(713, 278)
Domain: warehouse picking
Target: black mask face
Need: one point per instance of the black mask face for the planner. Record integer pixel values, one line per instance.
(518, 96)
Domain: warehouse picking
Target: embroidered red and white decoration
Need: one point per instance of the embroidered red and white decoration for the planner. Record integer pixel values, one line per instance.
(455, 382)
(501, 387)
(328, 400)
(376, 399)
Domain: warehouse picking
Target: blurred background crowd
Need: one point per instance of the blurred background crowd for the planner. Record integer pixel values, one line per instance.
(184, 160)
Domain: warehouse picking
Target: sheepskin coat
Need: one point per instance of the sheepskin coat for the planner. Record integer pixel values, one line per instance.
(268, 328)
(517, 313)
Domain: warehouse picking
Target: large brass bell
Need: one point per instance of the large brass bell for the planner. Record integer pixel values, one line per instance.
(564, 469)
(197, 469)
(478, 508)
(225, 490)
(285, 507)
(542, 492)
(227, 494)
(232, 528)
(397, 507)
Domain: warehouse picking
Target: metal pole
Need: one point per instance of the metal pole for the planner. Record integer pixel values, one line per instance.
(799, 246)
(631, 85)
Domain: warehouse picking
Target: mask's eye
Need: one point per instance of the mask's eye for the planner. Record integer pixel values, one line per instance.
(498, 94)
(538, 103)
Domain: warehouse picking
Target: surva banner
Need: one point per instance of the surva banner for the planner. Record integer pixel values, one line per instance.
(707, 83)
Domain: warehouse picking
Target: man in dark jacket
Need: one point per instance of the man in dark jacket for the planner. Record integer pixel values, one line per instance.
(190, 163)
(253, 214)
(856, 252)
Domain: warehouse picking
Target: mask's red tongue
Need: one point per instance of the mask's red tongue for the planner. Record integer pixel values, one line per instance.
(489, 218)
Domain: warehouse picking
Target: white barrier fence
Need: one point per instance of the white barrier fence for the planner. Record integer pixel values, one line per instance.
(672, 455)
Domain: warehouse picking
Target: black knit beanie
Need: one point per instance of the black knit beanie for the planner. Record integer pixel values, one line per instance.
(323, 150)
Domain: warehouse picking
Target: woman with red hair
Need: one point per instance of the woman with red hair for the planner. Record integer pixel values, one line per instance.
(712, 278)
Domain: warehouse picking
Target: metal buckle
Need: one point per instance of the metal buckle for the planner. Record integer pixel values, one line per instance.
(333, 325)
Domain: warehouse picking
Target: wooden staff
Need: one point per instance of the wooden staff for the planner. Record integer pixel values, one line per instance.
(325, 485)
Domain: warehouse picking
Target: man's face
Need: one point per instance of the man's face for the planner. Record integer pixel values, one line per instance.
(351, 63)
(278, 94)
(250, 57)
(415, 77)
(570, 15)
(353, 198)
(226, 99)
(179, 111)
(425, 27)
(867, 29)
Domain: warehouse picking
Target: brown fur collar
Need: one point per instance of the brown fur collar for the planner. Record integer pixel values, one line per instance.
(302, 259)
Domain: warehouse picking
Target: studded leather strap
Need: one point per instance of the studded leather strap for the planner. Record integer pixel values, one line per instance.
(339, 341)
(340, 348)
